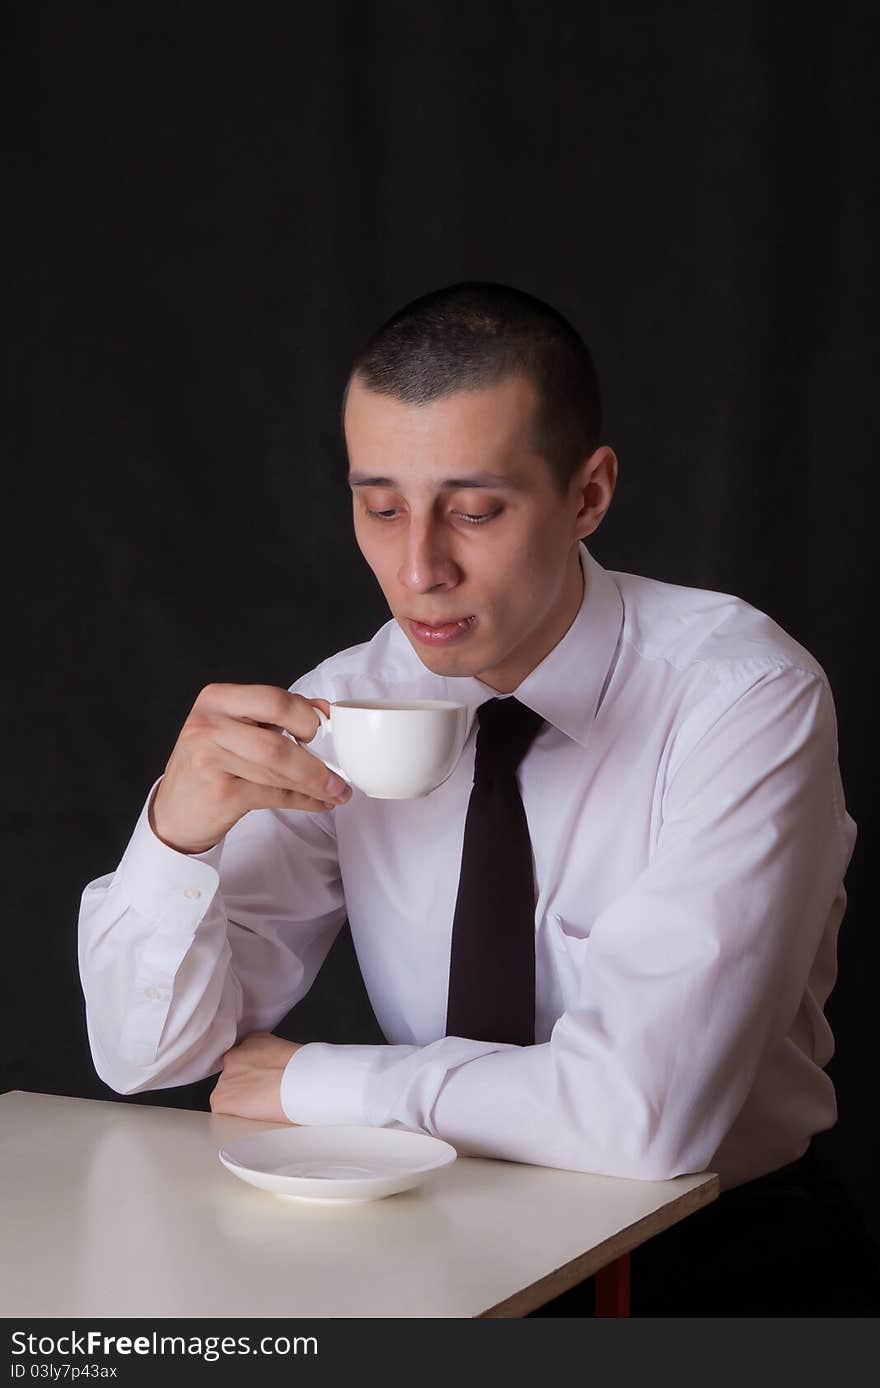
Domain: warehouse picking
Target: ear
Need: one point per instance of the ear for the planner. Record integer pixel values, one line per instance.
(593, 485)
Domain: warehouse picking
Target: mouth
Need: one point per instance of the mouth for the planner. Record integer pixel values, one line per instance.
(434, 633)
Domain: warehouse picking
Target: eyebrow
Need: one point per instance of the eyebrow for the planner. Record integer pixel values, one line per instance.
(477, 479)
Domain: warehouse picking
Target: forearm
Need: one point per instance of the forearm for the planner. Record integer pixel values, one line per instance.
(545, 1105)
(162, 999)
(176, 967)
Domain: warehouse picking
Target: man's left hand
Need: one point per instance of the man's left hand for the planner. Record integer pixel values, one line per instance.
(250, 1082)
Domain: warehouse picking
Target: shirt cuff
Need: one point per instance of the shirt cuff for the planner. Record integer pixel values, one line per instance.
(376, 1086)
(324, 1083)
(151, 873)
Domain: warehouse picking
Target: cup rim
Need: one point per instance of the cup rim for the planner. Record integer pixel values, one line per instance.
(398, 705)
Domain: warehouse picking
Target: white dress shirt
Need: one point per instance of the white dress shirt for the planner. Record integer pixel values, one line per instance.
(690, 842)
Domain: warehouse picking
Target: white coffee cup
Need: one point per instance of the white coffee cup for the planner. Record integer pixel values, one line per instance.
(392, 749)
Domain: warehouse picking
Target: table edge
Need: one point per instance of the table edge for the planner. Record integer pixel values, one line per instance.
(568, 1275)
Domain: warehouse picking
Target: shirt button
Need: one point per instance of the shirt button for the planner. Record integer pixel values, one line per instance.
(154, 994)
(191, 892)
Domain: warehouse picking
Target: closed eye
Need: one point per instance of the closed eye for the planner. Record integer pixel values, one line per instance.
(463, 515)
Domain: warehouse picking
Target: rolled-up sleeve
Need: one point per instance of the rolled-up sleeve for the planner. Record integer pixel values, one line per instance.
(689, 976)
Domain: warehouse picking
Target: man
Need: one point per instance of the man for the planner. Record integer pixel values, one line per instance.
(686, 837)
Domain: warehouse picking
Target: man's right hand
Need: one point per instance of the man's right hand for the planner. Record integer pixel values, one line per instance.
(231, 757)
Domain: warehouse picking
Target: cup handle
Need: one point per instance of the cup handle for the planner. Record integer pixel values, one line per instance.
(323, 729)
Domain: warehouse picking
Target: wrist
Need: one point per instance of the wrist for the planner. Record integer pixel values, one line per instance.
(190, 850)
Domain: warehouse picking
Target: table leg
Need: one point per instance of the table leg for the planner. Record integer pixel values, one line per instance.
(612, 1288)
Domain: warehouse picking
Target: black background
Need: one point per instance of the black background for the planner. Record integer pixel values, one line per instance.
(208, 209)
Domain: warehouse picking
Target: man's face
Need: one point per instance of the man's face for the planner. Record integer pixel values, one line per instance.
(458, 519)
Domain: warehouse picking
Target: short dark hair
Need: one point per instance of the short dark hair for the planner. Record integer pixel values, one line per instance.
(474, 334)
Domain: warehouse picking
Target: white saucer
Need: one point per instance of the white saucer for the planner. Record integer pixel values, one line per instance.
(336, 1162)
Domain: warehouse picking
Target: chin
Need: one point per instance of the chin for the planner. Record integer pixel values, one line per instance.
(434, 659)
(445, 662)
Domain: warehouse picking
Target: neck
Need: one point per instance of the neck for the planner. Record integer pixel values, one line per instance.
(506, 680)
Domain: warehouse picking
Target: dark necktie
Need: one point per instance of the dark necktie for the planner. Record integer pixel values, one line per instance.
(492, 962)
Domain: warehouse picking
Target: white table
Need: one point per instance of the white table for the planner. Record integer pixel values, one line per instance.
(116, 1209)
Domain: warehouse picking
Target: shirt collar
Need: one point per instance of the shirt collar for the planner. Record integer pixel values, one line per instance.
(567, 686)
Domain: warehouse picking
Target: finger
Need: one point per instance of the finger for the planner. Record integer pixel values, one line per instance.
(284, 763)
(264, 704)
(262, 793)
(322, 704)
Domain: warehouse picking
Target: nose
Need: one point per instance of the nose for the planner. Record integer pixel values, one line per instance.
(427, 564)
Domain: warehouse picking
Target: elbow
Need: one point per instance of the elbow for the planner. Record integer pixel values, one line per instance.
(126, 1072)
(662, 1159)
(648, 1146)
(121, 1086)
(120, 1075)
(115, 1064)
(129, 1067)
(654, 1168)
(125, 1077)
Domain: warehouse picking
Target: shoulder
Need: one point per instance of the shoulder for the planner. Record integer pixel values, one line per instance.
(705, 659)
(701, 633)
